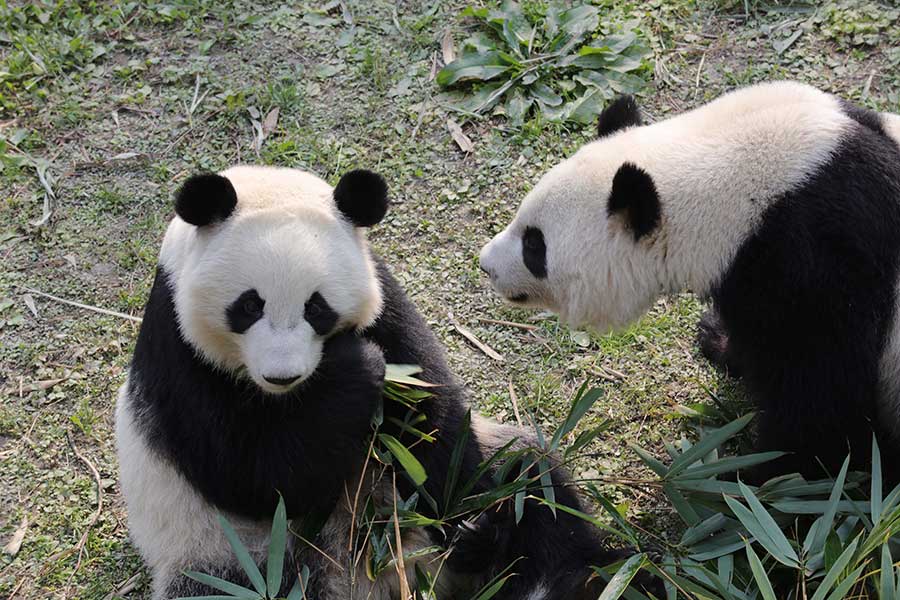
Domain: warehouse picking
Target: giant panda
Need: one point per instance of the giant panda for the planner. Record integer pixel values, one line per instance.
(779, 203)
(259, 364)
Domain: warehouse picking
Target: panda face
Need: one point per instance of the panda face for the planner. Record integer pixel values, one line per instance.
(570, 249)
(259, 291)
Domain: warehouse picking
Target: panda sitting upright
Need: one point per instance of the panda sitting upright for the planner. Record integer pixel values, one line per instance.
(780, 203)
(258, 367)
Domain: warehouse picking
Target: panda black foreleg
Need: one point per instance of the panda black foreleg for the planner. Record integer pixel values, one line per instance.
(816, 449)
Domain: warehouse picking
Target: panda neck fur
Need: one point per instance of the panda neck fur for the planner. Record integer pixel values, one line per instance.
(719, 167)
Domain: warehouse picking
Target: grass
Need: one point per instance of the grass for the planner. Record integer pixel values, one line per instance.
(104, 91)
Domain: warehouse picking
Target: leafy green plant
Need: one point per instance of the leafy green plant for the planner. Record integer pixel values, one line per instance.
(558, 61)
(788, 538)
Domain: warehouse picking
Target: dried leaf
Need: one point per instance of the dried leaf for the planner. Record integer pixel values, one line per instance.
(15, 543)
(447, 51)
(29, 302)
(124, 156)
(461, 139)
(46, 384)
(269, 123)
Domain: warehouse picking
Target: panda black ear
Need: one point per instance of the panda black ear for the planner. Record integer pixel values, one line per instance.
(362, 197)
(620, 113)
(204, 199)
(635, 198)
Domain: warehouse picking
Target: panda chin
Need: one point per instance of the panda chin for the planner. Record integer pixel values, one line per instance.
(273, 389)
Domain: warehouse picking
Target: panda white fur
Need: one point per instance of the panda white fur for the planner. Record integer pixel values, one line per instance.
(257, 370)
(778, 202)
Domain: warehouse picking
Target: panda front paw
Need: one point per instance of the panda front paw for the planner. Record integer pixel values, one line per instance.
(712, 338)
(477, 543)
(348, 354)
(352, 370)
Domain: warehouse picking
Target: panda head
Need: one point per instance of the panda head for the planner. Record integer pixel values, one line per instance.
(583, 240)
(268, 263)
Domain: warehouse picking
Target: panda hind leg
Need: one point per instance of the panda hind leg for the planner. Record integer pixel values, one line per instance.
(712, 338)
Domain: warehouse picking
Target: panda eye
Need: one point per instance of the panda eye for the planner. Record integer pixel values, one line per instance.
(253, 306)
(534, 252)
(319, 314)
(246, 310)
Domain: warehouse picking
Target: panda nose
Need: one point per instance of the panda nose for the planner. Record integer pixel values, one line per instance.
(281, 380)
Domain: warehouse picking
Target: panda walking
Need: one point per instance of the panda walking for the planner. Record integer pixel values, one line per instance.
(779, 203)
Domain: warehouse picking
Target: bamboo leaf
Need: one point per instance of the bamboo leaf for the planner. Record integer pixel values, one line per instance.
(236, 591)
(835, 571)
(887, 589)
(277, 542)
(708, 443)
(582, 402)
(682, 506)
(599, 524)
(547, 488)
(243, 555)
(759, 574)
(655, 465)
(620, 581)
(706, 528)
(786, 553)
(456, 459)
(815, 542)
(840, 592)
(758, 531)
(410, 463)
(726, 465)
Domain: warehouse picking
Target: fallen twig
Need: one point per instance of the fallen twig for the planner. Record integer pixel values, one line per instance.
(515, 403)
(401, 567)
(126, 587)
(102, 311)
(475, 341)
(509, 324)
(362, 476)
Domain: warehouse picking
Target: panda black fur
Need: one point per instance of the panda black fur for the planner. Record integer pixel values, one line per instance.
(778, 202)
(257, 369)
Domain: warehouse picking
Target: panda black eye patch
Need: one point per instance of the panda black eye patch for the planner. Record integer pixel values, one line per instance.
(246, 310)
(534, 252)
(319, 314)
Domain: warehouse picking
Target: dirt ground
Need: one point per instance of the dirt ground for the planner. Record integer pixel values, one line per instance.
(112, 105)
